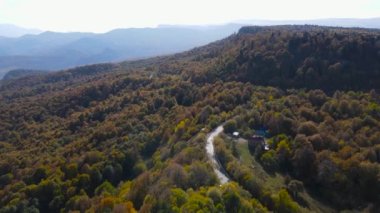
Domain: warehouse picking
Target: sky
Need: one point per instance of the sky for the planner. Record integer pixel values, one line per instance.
(104, 15)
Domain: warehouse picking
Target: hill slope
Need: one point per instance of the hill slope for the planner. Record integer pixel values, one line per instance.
(132, 135)
(300, 56)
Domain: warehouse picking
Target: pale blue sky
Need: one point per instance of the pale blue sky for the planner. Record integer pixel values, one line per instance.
(104, 15)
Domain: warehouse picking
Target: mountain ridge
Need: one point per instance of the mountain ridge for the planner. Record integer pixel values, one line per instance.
(216, 50)
(43, 50)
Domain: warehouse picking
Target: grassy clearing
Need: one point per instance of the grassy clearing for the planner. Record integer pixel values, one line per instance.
(274, 182)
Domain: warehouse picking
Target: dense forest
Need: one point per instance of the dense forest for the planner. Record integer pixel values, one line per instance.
(131, 136)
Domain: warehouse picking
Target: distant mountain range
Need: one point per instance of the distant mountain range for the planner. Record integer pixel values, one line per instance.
(53, 51)
(10, 30)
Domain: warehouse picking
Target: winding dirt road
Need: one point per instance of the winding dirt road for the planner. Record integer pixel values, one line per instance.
(218, 169)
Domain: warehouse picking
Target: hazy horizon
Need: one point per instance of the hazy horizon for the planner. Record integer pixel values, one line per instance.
(99, 17)
(238, 22)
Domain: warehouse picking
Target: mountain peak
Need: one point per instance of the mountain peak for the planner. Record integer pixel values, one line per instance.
(13, 31)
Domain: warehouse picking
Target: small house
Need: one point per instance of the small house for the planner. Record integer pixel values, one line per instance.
(257, 139)
(257, 142)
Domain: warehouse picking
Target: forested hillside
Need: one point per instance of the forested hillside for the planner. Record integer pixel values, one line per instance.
(131, 136)
(303, 56)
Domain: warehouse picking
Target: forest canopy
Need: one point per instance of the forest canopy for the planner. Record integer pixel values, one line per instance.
(131, 136)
